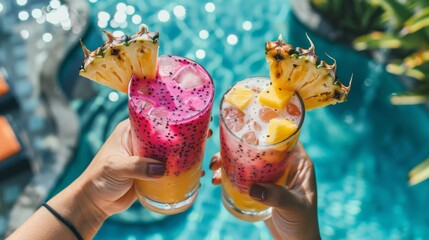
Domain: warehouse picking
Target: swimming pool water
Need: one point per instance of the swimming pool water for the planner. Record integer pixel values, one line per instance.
(362, 149)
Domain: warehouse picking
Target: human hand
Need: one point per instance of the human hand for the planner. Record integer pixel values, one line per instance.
(294, 214)
(108, 180)
(104, 188)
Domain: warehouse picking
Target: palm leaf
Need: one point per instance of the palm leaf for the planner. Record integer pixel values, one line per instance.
(419, 173)
(418, 21)
(396, 11)
(408, 99)
(419, 95)
(415, 65)
(376, 40)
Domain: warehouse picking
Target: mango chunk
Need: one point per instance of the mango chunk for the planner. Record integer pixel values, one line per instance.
(278, 100)
(239, 97)
(280, 129)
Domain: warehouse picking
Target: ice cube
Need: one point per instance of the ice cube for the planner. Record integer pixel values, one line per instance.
(160, 119)
(195, 103)
(143, 90)
(250, 137)
(159, 112)
(167, 66)
(234, 118)
(190, 77)
(266, 114)
(141, 104)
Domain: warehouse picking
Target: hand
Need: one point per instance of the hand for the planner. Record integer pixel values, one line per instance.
(294, 213)
(109, 178)
(104, 188)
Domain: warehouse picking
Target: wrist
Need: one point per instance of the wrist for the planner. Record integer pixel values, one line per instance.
(296, 228)
(77, 207)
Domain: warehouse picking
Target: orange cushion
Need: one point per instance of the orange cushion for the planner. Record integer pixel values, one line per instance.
(9, 144)
(4, 88)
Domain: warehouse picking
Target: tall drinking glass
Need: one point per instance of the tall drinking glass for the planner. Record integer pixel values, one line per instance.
(170, 117)
(246, 158)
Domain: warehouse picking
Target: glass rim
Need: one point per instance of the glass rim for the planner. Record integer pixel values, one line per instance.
(301, 121)
(208, 105)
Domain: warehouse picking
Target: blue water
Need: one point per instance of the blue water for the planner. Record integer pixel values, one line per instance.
(362, 149)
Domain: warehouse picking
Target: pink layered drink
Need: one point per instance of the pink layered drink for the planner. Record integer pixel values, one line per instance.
(249, 153)
(170, 117)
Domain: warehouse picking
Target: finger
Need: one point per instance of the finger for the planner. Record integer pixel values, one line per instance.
(302, 169)
(203, 173)
(274, 196)
(125, 124)
(217, 177)
(296, 174)
(120, 139)
(209, 133)
(136, 167)
(126, 140)
(122, 127)
(215, 161)
(127, 199)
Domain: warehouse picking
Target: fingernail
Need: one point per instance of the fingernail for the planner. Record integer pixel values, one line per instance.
(214, 163)
(155, 170)
(203, 173)
(216, 179)
(258, 192)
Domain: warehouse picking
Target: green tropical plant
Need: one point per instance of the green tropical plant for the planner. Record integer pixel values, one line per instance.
(400, 26)
(419, 173)
(355, 17)
(407, 37)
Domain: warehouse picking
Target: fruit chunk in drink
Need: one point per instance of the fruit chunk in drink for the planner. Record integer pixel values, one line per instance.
(255, 142)
(170, 117)
(257, 133)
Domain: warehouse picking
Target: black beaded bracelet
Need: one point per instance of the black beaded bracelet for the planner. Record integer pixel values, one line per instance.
(64, 221)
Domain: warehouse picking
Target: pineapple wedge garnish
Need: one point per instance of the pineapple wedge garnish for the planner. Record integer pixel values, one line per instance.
(299, 70)
(115, 63)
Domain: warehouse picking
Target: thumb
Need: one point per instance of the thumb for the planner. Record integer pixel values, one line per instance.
(274, 196)
(136, 167)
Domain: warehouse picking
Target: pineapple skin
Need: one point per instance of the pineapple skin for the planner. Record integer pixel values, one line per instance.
(300, 70)
(120, 58)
